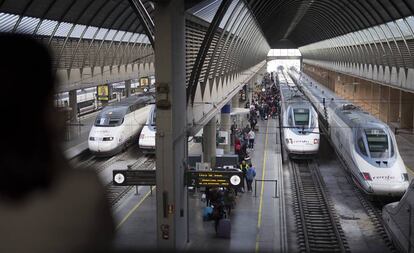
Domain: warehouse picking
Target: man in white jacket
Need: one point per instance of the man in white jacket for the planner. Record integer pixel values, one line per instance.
(251, 135)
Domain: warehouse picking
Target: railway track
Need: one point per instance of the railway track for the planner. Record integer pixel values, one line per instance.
(372, 208)
(101, 163)
(116, 193)
(318, 227)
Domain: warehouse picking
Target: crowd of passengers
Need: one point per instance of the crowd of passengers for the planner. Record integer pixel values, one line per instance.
(265, 104)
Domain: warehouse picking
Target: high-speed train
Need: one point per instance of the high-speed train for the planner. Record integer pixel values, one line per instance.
(117, 125)
(299, 120)
(146, 140)
(366, 145)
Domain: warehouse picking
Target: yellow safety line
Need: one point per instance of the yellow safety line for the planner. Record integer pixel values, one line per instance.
(259, 215)
(133, 210)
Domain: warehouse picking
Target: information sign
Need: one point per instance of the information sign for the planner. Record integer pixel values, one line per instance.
(133, 177)
(143, 81)
(229, 179)
(103, 92)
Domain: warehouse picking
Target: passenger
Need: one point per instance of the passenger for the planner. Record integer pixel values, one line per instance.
(243, 167)
(251, 139)
(250, 175)
(45, 206)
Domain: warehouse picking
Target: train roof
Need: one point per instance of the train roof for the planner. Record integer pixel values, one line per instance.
(354, 117)
(292, 96)
(119, 109)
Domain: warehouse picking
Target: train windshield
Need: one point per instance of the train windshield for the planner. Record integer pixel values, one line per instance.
(377, 141)
(301, 117)
(109, 119)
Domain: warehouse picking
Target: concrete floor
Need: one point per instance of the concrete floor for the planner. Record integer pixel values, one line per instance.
(257, 222)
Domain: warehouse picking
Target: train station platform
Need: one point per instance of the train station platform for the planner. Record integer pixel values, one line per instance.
(405, 142)
(77, 136)
(257, 220)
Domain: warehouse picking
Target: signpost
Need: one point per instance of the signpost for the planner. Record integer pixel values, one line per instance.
(133, 177)
(228, 179)
(103, 92)
(143, 81)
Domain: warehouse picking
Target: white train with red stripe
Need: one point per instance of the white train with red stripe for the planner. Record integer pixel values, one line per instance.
(300, 126)
(366, 145)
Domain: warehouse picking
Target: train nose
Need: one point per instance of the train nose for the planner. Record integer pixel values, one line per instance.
(392, 189)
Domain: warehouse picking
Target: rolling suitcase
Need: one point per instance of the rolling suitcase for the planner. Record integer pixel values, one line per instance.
(224, 228)
(207, 212)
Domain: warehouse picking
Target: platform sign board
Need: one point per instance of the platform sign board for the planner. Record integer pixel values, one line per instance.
(133, 177)
(103, 92)
(228, 179)
(144, 81)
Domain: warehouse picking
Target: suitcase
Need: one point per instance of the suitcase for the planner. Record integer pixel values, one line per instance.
(207, 212)
(224, 228)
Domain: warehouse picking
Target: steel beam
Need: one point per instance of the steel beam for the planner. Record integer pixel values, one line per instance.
(205, 46)
(144, 18)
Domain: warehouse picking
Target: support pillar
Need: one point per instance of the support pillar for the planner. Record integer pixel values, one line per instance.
(171, 137)
(384, 103)
(73, 104)
(209, 142)
(406, 110)
(127, 88)
(376, 98)
(110, 91)
(235, 101)
(394, 105)
(225, 125)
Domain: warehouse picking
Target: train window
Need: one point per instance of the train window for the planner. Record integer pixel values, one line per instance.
(377, 143)
(361, 146)
(108, 122)
(301, 117)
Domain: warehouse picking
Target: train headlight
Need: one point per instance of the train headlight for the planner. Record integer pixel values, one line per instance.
(405, 177)
(315, 141)
(108, 138)
(366, 176)
(91, 138)
(289, 140)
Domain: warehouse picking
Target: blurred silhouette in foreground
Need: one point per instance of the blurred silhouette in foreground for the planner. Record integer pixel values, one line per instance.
(45, 206)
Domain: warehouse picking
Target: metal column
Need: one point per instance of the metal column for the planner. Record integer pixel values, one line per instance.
(73, 104)
(225, 124)
(171, 139)
(235, 101)
(209, 142)
(127, 88)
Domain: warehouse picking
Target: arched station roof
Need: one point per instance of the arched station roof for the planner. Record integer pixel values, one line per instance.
(303, 22)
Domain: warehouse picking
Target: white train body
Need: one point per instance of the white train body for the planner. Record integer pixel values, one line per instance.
(117, 125)
(300, 126)
(366, 145)
(146, 140)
